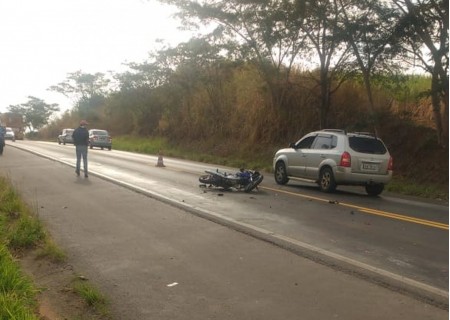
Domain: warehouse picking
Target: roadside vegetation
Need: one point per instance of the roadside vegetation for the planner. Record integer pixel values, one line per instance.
(17, 295)
(21, 231)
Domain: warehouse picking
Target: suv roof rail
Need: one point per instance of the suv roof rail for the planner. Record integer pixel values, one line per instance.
(335, 130)
(366, 133)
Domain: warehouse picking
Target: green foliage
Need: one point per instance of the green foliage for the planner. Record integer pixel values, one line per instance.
(17, 292)
(80, 85)
(407, 187)
(35, 111)
(18, 230)
(25, 233)
(90, 107)
(12, 278)
(9, 201)
(52, 252)
(12, 308)
(141, 145)
(404, 88)
(91, 295)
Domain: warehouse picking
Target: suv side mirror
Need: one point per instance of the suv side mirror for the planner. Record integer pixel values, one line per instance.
(292, 145)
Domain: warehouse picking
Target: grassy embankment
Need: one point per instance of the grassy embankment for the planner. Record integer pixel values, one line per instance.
(261, 162)
(21, 230)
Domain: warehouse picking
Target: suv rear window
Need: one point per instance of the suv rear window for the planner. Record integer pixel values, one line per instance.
(100, 133)
(367, 145)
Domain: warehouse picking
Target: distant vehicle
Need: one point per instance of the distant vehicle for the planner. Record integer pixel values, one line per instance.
(9, 134)
(65, 136)
(15, 121)
(334, 157)
(100, 139)
(2, 138)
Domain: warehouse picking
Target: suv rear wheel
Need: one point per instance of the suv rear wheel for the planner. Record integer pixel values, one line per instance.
(326, 180)
(280, 173)
(374, 189)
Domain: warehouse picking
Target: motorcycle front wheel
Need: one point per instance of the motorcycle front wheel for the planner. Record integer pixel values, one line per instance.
(253, 184)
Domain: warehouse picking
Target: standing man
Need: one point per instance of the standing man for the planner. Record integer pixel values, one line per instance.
(81, 142)
(2, 138)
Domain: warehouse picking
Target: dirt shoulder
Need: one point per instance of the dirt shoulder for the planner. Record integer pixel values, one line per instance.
(56, 298)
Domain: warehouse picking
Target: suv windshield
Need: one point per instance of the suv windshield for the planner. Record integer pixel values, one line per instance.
(367, 145)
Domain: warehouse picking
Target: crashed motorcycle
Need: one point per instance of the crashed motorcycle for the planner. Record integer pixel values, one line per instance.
(245, 180)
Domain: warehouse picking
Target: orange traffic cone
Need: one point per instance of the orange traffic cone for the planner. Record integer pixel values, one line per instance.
(160, 162)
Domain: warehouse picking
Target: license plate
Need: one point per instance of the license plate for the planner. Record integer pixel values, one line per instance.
(370, 166)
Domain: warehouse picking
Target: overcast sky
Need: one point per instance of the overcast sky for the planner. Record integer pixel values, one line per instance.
(44, 40)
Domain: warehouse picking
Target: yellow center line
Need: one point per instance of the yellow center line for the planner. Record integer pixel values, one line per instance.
(391, 215)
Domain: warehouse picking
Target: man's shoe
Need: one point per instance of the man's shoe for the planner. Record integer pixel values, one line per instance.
(77, 172)
(85, 175)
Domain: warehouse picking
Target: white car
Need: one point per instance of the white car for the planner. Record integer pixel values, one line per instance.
(9, 134)
(65, 136)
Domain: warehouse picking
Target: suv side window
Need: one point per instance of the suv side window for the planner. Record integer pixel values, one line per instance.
(325, 142)
(305, 143)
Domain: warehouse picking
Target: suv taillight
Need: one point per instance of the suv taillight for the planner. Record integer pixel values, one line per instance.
(391, 164)
(346, 160)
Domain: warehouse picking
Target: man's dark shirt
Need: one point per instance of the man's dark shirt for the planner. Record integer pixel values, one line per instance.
(80, 136)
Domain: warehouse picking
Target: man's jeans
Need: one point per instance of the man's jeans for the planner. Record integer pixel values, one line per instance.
(82, 152)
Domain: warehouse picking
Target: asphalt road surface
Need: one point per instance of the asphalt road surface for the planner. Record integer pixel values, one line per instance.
(157, 257)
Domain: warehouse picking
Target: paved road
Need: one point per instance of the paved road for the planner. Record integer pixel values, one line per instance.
(398, 242)
(159, 262)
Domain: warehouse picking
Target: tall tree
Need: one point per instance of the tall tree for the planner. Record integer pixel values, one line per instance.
(424, 26)
(328, 48)
(81, 85)
(36, 112)
(86, 90)
(267, 31)
(369, 28)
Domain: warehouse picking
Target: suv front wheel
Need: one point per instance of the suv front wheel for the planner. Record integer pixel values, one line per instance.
(374, 189)
(280, 173)
(326, 180)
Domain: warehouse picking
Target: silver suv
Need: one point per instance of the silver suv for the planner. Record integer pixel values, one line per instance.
(334, 157)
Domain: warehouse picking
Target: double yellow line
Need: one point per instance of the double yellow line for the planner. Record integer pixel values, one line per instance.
(396, 216)
(386, 214)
